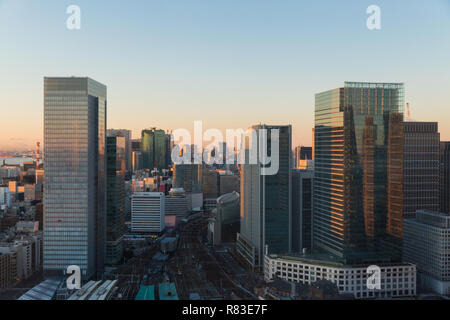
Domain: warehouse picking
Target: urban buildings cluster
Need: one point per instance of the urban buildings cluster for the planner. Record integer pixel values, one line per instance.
(372, 190)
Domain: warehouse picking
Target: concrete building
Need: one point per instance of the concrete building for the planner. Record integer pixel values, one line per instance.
(420, 167)
(397, 280)
(176, 203)
(426, 243)
(225, 225)
(147, 212)
(228, 184)
(75, 173)
(6, 279)
(445, 177)
(302, 183)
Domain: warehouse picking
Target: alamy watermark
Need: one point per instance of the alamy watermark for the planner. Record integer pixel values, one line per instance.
(251, 146)
(374, 20)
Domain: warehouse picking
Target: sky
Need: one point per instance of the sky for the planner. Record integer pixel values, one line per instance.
(229, 63)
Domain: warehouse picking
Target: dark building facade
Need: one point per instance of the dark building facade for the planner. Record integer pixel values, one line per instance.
(302, 181)
(445, 177)
(115, 196)
(357, 128)
(421, 167)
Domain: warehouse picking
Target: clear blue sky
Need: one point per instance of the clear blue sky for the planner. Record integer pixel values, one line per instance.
(230, 63)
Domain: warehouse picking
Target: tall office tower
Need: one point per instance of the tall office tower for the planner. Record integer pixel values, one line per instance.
(75, 173)
(303, 158)
(147, 212)
(266, 201)
(154, 149)
(351, 164)
(128, 148)
(169, 147)
(302, 181)
(445, 177)
(421, 167)
(426, 242)
(136, 154)
(115, 196)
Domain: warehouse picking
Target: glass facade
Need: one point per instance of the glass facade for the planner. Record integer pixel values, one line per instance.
(154, 148)
(75, 163)
(266, 203)
(115, 195)
(352, 160)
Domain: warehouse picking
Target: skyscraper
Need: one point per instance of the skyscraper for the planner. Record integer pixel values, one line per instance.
(445, 177)
(421, 167)
(301, 209)
(75, 169)
(352, 159)
(266, 202)
(154, 149)
(128, 148)
(115, 196)
(303, 157)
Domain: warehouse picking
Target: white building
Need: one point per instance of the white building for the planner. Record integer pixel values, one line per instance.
(147, 212)
(397, 280)
(426, 243)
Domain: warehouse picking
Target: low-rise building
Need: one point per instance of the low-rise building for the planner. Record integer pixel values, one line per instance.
(396, 280)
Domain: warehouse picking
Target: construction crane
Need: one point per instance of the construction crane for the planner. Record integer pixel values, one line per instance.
(408, 110)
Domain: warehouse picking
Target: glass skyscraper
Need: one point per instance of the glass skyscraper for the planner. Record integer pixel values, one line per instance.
(154, 148)
(358, 170)
(75, 168)
(266, 203)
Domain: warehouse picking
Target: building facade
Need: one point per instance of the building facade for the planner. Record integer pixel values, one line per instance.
(445, 177)
(266, 201)
(357, 142)
(75, 173)
(115, 196)
(397, 280)
(147, 212)
(302, 182)
(426, 244)
(420, 167)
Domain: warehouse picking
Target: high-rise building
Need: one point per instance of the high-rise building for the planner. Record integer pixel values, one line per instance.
(154, 149)
(188, 176)
(147, 212)
(75, 172)
(266, 201)
(128, 148)
(357, 129)
(115, 196)
(210, 183)
(420, 167)
(302, 181)
(426, 244)
(445, 177)
(303, 157)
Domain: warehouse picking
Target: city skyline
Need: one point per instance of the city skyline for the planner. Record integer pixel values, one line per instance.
(228, 67)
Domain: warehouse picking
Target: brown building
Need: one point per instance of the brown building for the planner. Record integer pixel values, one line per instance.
(5, 271)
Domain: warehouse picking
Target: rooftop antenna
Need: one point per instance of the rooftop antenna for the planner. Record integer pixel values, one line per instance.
(408, 110)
